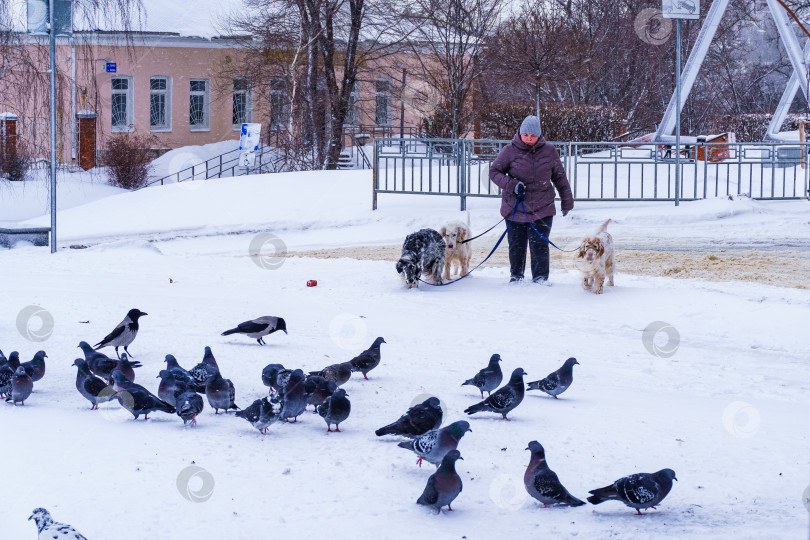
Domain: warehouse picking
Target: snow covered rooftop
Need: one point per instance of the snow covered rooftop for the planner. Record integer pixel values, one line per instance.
(198, 18)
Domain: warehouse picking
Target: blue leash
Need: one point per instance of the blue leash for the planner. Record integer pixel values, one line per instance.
(519, 202)
(498, 243)
(541, 234)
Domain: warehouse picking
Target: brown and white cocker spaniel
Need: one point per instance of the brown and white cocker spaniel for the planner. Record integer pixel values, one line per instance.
(457, 253)
(598, 260)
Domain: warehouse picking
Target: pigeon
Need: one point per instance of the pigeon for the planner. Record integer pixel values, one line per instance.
(220, 393)
(99, 363)
(21, 387)
(444, 485)
(93, 388)
(275, 376)
(318, 390)
(258, 328)
(337, 373)
(181, 374)
(14, 360)
(557, 382)
(639, 491)
(262, 413)
(202, 371)
(7, 370)
(542, 483)
(368, 359)
(505, 398)
(137, 399)
(293, 397)
(433, 445)
(126, 367)
(488, 378)
(35, 368)
(335, 409)
(124, 333)
(3, 358)
(417, 421)
(189, 404)
(48, 528)
(170, 387)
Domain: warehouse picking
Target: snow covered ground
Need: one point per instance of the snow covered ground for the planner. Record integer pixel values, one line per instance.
(722, 400)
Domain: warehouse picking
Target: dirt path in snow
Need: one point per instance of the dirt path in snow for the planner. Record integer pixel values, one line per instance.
(786, 268)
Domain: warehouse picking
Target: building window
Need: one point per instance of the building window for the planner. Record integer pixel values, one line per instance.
(199, 113)
(242, 102)
(160, 108)
(279, 104)
(382, 102)
(121, 110)
(353, 109)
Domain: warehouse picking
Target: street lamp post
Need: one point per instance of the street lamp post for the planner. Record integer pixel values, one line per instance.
(679, 10)
(52, 44)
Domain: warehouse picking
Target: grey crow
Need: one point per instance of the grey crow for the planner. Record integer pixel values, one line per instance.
(123, 334)
(258, 328)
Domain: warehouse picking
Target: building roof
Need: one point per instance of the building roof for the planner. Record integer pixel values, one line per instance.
(186, 18)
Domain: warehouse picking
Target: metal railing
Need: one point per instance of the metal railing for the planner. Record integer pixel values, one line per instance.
(222, 166)
(601, 171)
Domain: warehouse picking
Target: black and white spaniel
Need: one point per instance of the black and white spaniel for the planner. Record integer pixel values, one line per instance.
(423, 251)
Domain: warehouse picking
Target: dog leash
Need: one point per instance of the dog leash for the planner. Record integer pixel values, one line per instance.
(498, 243)
(520, 201)
(483, 233)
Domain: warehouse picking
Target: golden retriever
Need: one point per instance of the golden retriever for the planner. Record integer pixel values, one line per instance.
(598, 260)
(457, 253)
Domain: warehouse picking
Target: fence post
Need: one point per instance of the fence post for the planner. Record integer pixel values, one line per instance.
(374, 169)
(806, 170)
(573, 150)
(615, 171)
(461, 173)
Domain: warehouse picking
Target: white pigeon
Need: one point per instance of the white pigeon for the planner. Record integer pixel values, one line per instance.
(48, 528)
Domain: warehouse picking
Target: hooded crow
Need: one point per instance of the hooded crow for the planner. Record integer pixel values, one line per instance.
(258, 328)
(123, 334)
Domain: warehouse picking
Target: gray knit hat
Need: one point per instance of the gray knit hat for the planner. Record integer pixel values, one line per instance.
(531, 124)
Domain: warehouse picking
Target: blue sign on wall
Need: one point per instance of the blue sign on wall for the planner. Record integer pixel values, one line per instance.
(112, 67)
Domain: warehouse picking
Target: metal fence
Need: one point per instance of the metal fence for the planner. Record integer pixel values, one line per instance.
(222, 166)
(601, 171)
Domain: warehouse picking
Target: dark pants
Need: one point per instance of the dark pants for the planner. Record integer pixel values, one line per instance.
(519, 235)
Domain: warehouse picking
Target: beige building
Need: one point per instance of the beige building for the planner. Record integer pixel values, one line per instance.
(169, 87)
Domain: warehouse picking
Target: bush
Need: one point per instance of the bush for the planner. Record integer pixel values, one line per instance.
(753, 127)
(15, 163)
(560, 122)
(437, 125)
(128, 159)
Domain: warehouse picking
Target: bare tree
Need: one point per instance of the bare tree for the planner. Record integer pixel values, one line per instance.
(447, 40)
(540, 47)
(319, 48)
(24, 75)
(596, 52)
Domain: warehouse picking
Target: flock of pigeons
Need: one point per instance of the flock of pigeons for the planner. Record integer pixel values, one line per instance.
(100, 379)
(439, 446)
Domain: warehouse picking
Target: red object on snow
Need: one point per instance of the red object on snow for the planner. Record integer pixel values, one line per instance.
(312, 283)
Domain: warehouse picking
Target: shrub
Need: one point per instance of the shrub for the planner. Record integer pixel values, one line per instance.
(560, 122)
(438, 124)
(753, 127)
(128, 159)
(15, 162)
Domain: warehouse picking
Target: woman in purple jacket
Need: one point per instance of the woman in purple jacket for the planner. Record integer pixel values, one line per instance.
(530, 168)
